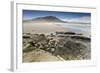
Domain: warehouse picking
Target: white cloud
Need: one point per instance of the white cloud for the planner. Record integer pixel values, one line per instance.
(84, 19)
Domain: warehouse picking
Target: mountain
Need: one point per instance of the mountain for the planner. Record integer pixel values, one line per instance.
(48, 19)
(45, 24)
(53, 19)
(45, 19)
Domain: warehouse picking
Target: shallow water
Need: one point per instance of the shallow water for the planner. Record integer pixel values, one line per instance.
(79, 28)
(48, 28)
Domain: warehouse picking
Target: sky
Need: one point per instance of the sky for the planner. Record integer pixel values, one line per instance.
(65, 16)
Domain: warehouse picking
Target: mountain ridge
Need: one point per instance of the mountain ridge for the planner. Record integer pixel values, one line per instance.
(48, 18)
(52, 19)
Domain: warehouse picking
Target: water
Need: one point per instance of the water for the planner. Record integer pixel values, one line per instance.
(48, 28)
(79, 28)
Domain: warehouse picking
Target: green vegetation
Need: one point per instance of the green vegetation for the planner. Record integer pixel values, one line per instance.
(69, 57)
(30, 49)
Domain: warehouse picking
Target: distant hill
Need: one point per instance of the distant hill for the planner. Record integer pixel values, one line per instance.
(53, 19)
(43, 25)
(46, 19)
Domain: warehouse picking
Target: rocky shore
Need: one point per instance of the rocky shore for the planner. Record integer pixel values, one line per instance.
(57, 46)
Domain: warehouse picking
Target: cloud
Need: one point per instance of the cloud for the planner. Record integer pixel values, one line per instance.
(84, 19)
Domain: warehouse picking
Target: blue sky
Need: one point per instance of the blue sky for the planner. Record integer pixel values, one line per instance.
(31, 14)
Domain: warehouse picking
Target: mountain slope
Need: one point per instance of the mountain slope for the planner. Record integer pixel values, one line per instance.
(48, 18)
(54, 19)
(45, 19)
